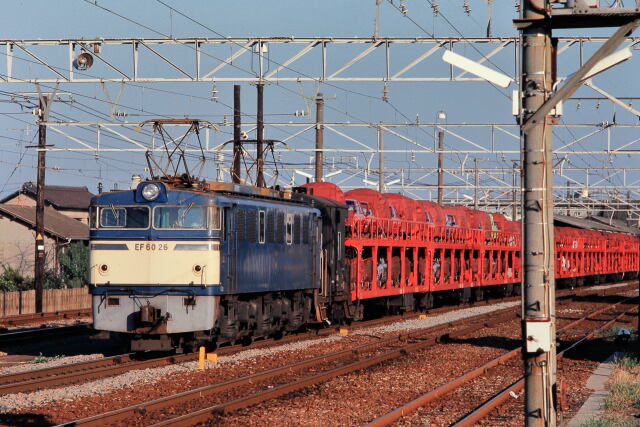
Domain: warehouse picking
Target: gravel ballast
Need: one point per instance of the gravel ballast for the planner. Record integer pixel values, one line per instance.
(147, 376)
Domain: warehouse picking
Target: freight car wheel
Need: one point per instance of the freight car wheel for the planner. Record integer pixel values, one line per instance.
(517, 289)
(426, 301)
(478, 294)
(508, 290)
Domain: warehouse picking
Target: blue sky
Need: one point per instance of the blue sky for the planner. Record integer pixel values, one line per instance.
(472, 102)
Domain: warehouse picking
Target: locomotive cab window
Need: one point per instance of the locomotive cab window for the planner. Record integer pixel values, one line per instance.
(124, 217)
(186, 217)
(393, 212)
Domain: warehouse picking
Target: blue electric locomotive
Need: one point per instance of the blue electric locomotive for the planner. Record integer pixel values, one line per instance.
(176, 266)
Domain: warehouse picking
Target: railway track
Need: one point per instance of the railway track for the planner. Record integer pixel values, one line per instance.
(504, 394)
(399, 346)
(20, 336)
(354, 358)
(84, 371)
(29, 319)
(226, 407)
(114, 365)
(39, 379)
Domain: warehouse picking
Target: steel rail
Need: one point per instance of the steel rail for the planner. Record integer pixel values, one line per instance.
(243, 402)
(168, 400)
(80, 371)
(109, 366)
(75, 372)
(9, 379)
(87, 370)
(458, 382)
(8, 338)
(25, 319)
(427, 338)
(486, 408)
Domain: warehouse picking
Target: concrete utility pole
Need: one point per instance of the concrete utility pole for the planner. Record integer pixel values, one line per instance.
(319, 135)
(537, 218)
(440, 165)
(476, 183)
(260, 137)
(237, 142)
(381, 187)
(39, 264)
(537, 80)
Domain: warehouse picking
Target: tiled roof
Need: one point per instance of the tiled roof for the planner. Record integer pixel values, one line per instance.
(55, 223)
(59, 196)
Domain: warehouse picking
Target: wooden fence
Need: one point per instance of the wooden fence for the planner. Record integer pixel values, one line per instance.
(24, 302)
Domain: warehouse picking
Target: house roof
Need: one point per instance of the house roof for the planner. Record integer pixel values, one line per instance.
(55, 223)
(58, 196)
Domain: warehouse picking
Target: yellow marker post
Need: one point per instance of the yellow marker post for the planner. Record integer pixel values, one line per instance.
(201, 359)
(212, 357)
(344, 331)
(422, 316)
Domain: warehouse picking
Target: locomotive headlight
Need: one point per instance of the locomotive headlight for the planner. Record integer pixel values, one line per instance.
(150, 191)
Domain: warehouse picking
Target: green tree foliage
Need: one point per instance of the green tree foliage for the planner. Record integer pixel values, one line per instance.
(74, 271)
(74, 265)
(11, 280)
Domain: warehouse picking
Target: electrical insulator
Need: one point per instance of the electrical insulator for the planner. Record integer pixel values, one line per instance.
(434, 7)
(301, 113)
(385, 93)
(403, 8)
(214, 93)
(120, 114)
(466, 7)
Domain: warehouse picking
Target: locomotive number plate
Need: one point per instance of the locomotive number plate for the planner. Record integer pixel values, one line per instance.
(151, 247)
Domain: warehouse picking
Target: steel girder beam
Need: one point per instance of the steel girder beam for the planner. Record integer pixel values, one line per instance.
(463, 138)
(289, 59)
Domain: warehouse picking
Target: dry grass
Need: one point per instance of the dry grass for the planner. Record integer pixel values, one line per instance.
(624, 396)
(624, 391)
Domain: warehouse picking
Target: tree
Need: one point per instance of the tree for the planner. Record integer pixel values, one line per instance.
(74, 265)
(12, 280)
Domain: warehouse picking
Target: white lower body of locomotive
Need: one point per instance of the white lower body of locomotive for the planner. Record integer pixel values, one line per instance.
(154, 289)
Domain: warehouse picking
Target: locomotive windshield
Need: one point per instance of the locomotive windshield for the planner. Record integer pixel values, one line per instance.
(186, 217)
(120, 217)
